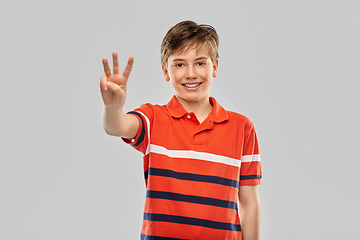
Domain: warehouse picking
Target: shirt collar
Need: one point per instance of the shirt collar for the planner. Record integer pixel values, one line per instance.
(218, 113)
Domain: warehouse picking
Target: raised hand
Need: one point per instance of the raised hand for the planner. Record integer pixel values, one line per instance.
(113, 85)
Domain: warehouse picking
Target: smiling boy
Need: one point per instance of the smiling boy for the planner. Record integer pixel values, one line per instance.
(201, 162)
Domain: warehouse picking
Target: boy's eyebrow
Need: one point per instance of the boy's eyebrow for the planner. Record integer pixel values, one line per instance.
(199, 58)
(181, 59)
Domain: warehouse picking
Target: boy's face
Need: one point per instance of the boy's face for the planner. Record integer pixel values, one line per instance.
(190, 73)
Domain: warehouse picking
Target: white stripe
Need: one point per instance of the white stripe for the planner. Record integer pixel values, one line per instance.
(148, 132)
(250, 158)
(195, 155)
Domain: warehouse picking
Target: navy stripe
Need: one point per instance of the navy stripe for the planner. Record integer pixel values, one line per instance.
(193, 177)
(191, 199)
(192, 221)
(146, 174)
(142, 135)
(147, 237)
(246, 177)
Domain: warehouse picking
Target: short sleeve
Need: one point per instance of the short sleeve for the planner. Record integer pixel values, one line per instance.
(142, 140)
(250, 171)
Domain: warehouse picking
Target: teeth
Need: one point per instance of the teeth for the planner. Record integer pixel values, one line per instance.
(192, 85)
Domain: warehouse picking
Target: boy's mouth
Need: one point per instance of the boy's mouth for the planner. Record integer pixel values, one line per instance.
(191, 85)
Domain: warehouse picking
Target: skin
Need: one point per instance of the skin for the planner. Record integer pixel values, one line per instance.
(249, 208)
(189, 67)
(192, 67)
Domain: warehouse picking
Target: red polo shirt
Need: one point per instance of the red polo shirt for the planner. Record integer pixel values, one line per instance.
(193, 171)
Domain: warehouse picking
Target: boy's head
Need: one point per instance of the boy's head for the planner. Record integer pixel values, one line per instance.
(188, 34)
(189, 58)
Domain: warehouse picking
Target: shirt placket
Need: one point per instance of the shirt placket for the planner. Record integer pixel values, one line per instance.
(198, 131)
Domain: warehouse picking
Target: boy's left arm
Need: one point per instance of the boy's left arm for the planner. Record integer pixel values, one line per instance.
(249, 207)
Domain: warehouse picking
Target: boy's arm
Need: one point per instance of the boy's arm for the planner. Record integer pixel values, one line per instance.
(249, 212)
(113, 91)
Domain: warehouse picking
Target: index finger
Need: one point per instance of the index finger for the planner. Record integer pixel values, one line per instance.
(106, 67)
(128, 67)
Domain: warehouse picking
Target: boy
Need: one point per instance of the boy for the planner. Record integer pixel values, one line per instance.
(199, 159)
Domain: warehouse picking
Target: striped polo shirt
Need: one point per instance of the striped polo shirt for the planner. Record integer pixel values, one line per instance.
(193, 171)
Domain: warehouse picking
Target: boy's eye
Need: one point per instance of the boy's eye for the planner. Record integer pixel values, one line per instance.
(201, 63)
(179, 65)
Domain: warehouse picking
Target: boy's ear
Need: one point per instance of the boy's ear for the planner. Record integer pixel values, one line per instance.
(215, 68)
(166, 73)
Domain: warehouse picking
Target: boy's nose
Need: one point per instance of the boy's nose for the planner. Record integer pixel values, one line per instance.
(191, 72)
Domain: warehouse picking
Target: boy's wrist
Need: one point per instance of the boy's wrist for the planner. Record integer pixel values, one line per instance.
(113, 107)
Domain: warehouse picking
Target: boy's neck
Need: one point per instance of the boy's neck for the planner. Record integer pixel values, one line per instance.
(201, 108)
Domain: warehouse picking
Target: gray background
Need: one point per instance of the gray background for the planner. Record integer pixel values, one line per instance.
(292, 67)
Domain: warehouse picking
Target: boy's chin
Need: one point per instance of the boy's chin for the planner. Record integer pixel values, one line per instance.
(195, 99)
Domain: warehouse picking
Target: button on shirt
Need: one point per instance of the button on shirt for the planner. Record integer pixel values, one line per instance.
(193, 170)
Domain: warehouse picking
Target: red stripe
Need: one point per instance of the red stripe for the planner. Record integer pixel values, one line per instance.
(250, 168)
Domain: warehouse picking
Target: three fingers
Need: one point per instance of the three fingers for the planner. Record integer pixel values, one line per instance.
(126, 73)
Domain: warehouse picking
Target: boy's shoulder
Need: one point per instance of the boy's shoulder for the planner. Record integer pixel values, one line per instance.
(238, 117)
(150, 109)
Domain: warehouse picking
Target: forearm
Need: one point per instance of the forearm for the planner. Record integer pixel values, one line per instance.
(117, 123)
(249, 207)
(250, 221)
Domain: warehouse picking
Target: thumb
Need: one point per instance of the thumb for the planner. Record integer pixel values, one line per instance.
(116, 89)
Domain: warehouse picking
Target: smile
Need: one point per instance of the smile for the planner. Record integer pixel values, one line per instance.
(193, 85)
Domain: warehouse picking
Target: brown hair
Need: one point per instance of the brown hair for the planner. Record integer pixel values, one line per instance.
(187, 34)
